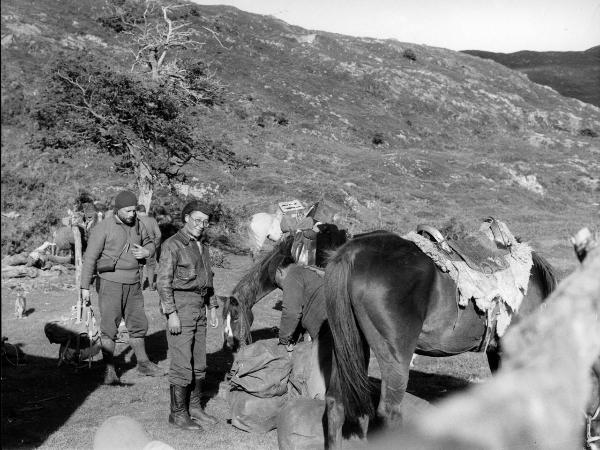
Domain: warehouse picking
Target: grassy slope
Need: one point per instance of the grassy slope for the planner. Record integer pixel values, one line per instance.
(59, 408)
(459, 133)
(573, 74)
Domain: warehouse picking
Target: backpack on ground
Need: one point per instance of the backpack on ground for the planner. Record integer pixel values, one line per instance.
(258, 386)
(76, 345)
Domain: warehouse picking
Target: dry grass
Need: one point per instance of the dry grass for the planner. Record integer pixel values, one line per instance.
(450, 129)
(57, 408)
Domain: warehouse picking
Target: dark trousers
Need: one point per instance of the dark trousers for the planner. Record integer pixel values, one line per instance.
(187, 350)
(118, 301)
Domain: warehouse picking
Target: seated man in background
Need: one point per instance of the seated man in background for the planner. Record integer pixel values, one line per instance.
(148, 269)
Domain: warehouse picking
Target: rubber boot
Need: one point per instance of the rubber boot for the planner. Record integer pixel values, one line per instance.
(108, 351)
(144, 365)
(195, 409)
(179, 415)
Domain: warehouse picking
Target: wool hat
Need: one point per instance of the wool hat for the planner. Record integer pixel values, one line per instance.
(125, 199)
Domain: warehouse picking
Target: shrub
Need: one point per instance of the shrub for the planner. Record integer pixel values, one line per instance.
(85, 101)
(269, 117)
(377, 139)
(588, 132)
(409, 54)
(374, 87)
(14, 104)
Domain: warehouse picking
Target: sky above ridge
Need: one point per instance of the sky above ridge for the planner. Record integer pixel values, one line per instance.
(494, 25)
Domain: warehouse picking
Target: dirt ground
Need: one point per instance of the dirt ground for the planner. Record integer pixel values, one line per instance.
(44, 406)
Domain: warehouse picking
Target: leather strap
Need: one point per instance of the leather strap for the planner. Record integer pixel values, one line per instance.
(436, 235)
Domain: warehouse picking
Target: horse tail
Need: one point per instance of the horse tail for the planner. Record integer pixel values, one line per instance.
(349, 353)
(545, 273)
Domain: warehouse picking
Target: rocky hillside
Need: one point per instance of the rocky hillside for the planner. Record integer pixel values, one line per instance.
(572, 74)
(395, 133)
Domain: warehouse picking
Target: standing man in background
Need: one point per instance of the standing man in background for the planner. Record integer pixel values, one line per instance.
(154, 231)
(116, 247)
(185, 287)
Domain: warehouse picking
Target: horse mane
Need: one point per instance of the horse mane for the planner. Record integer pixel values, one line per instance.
(545, 272)
(254, 281)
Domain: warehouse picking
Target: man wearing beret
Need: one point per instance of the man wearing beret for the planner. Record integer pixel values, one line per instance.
(116, 248)
(185, 287)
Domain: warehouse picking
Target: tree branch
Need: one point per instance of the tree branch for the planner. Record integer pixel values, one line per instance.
(214, 33)
(84, 93)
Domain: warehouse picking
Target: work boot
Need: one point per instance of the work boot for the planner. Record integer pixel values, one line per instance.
(195, 409)
(110, 376)
(179, 415)
(108, 351)
(144, 365)
(149, 369)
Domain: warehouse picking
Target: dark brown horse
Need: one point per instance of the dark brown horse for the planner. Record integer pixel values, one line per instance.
(384, 294)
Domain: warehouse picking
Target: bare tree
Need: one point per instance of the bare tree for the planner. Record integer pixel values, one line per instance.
(153, 39)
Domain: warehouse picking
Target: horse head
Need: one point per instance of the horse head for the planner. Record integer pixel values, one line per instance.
(237, 321)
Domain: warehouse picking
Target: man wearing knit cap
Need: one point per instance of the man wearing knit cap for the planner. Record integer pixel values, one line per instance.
(116, 248)
(185, 287)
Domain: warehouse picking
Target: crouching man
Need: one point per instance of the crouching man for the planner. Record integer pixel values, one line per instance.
(185, 288)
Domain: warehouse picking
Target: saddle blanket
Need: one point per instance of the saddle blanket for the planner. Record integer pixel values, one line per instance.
(504, 288)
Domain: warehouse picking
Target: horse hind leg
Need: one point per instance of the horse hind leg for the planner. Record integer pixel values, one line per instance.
(394, 381)
(335, 414)
(394, 361)
(335, 421)
(494, 356)
(394, 365)
(363, 423)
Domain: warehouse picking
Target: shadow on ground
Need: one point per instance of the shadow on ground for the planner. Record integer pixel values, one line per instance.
(425, 386)
(38, 397)
(433, 387)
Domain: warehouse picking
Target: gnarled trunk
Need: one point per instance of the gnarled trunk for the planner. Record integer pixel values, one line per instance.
(145, 178)
(145, 182)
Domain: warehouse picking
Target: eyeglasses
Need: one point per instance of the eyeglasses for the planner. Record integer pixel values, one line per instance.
(203, 222)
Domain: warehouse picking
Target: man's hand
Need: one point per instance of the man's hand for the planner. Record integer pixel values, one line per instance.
(214, 319)
(289, 346)
(140, 252)
(173, 323)
(85, 297)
